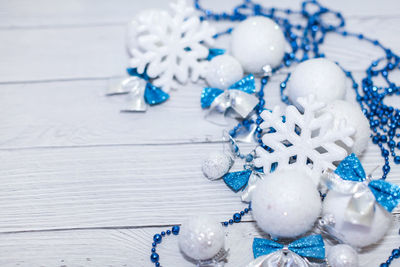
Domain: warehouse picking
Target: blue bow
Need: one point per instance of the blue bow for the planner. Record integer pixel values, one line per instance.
(310, 247)
(246, 85)
(152, 95)
(238, 96)
(385, 193)
(237, 180)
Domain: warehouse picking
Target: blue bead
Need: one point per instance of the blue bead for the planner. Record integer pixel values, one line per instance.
(168, 232)
(397, 159)
(242, 213)
(246, 210)
(249, 158)
(384, 265)
(225, 223)
(385, 153)
(375, 139)
(396, 253)
(163, 233)
(154, 244)
(230, 221)
(386, 168)
(153, 250)
(237, 217)
(154, 257)
(157, 264)
(175, 229)
(157, 238)
(391, 143)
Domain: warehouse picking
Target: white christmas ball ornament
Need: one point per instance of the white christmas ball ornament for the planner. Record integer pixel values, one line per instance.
(216, 165)
(201, 237)
(355, 118)
(320, 77)
(354, 234)
(223, 71)
(342, 256)
(286, 203)
(257, 42)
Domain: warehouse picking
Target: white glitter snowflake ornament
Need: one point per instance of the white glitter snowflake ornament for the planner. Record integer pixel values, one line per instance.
(310, 139)
(169, 47)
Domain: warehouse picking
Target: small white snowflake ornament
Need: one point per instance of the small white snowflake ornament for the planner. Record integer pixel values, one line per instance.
(310, 139)
(169, 46)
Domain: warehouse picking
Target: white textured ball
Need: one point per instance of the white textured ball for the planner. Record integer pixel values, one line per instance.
(320, 77)
(216, 165)
(355, 118)
(286, 203)
(223, 71)
(201, 237)
(342, 256)
(256, 42)
(356, 235)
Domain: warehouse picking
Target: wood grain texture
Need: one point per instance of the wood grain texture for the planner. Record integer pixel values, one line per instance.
(131, 248)
(47, 13)
(94, 52)
(82, 184)
(86, 187)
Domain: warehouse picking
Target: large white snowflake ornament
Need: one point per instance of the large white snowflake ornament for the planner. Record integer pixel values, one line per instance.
(169, 46)
(308, 140)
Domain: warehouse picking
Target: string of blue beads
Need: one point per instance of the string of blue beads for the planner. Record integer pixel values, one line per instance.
(384, 120)
(395, 255)
(237, 217)
(157, 239)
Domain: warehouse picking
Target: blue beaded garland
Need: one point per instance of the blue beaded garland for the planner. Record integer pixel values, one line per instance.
(304, 41)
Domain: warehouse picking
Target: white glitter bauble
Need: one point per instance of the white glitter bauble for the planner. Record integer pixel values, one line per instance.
(355, 118)
(201, 237)
(342, 256)
(216, 165)
(320, 77)
(256, 42)
(286, 203)
(356, 235)
(223, 71)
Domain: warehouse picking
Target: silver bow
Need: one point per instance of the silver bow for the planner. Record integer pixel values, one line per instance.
(240, 102)
(134, 87)
(361, 207)
(283, 258)
(247, 193)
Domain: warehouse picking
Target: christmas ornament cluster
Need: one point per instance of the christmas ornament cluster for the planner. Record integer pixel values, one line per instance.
(307, 189)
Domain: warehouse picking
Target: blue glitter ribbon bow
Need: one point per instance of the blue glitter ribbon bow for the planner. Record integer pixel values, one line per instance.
(238, 96)
(245, 180)
(152, 95)
(270, 253)
(350, 178)
(140, 90)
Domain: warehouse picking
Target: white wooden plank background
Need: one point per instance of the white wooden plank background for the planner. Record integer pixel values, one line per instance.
(84, 185)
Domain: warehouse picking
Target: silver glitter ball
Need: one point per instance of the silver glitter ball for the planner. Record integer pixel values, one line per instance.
(216, 165)
(342, 256)
(201, 237)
